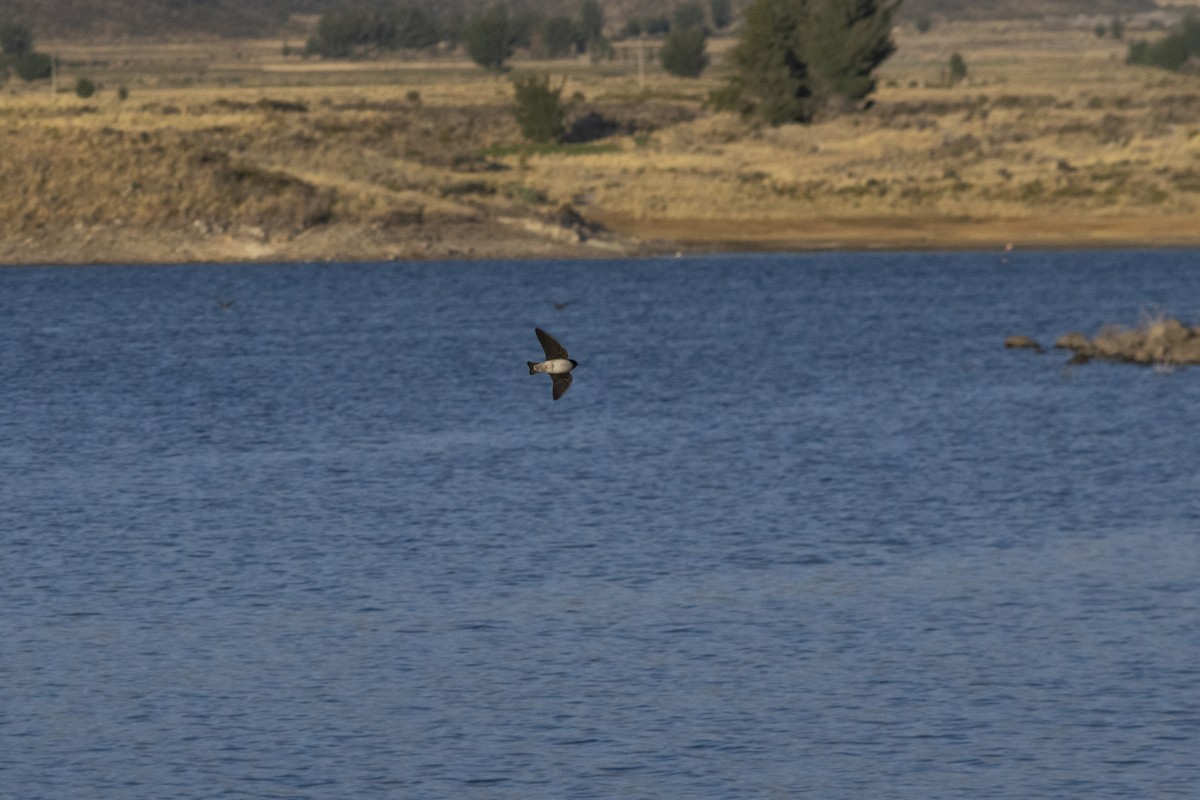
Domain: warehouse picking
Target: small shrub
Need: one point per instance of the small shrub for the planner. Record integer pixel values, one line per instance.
(465, 188)
(539, 109)
(84, 87)
(283, 106)
(525, 194)
(591, 127)
(122, 93)
(956, 69)
(32, 66)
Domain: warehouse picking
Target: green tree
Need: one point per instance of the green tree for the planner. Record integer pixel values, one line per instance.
(416, 28)
(650, 26)
(1117, 28)
(683, 53)
(539, 109)
(340, 33)
(559, 37)
(796, 58)
(16, 40)
(591, 22)
(656, 26)
(346, 32)
(452, 23)
(523, 25)
(489, 38)
(722, 14)
(689, 15)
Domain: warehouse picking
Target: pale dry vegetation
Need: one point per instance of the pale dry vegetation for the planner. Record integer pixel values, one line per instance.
(239, 152)
(1051, 129)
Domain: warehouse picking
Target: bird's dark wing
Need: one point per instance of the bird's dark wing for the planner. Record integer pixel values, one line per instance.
(550, 345)
(561, 384)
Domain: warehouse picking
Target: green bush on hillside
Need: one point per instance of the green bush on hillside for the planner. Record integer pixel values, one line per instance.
(539, 110)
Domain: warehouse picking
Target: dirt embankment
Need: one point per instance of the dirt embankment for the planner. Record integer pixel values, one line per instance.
(229, 179)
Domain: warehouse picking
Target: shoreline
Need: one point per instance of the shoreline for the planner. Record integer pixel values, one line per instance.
(919, 233)
(618, 237)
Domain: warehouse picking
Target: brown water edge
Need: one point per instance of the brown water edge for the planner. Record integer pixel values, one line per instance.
(621, 236)
(912, 233)
(344, 242)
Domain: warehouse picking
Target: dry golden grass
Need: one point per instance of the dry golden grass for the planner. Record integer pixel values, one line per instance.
(1052, 140)
(1049, 125)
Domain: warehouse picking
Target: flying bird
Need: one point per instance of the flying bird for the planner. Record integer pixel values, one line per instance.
(558, 364)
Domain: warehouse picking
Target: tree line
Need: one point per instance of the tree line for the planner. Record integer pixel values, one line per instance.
(356, 30)
(1178, 50)
(795, 59)
(495, 33)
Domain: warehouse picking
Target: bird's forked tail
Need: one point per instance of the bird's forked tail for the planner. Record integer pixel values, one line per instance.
(532, 364)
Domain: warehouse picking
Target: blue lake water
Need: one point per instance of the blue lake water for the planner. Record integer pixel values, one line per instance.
(801, 528)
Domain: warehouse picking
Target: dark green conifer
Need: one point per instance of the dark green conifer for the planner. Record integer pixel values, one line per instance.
(683, 53)
(489, 38)
(798, 57)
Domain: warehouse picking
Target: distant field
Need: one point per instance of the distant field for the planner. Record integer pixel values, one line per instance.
(1050, 140)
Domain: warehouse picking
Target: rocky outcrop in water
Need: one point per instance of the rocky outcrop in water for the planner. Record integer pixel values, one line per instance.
(1026, 342)
(1160, 341)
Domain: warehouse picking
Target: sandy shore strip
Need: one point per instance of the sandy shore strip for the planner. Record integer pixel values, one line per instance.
(620, 237)
(912, 233)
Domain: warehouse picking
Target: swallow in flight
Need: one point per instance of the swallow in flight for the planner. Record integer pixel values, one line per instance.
(558, 364)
